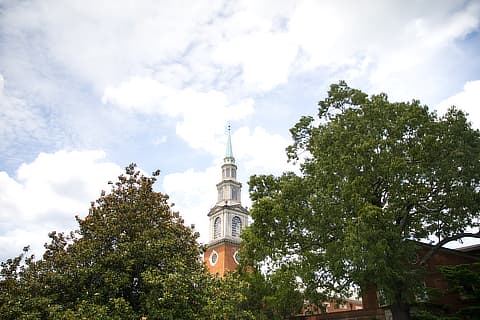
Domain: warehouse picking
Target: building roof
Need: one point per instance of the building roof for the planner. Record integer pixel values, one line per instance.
(473, 249)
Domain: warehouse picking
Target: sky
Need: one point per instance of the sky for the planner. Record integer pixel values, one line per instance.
(87, 87)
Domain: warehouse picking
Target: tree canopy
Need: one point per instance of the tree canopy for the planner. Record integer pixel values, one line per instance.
(131, 257)
(374, 175)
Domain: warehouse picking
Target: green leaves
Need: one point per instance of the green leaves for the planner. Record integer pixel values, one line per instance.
(131, 257)
(374, 175)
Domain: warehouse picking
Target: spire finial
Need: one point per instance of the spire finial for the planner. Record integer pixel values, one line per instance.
(229, 153)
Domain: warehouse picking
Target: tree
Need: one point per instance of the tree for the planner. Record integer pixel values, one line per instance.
(270, 296)
(374, 176)
(131, 257)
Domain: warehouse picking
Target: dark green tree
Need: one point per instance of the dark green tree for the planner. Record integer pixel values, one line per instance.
(131, 257)
(464, 280)
(463, 294)
(374, 176)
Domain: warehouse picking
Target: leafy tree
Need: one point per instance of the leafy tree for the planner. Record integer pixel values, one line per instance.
(374, 175)
(271, 296)
(131, 257)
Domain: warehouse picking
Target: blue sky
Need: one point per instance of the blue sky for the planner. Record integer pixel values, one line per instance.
(87, 87)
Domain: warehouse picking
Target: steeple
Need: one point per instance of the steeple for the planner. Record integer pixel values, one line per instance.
(227, 218)
(229, 153)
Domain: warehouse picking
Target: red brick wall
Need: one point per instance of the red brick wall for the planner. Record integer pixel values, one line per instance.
(435, 279)
(377, 314)
(225, 261)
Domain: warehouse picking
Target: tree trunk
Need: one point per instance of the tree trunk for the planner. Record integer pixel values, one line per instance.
(400, 311)
(369, 296)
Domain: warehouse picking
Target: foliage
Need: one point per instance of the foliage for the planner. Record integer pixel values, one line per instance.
(463, 290)
(464, 280)
(271, 296)
(131, 257)
(374, 175)
(227, 299)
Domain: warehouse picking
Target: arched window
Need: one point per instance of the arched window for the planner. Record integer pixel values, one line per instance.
(236, 226)
(217, 225)
(234, 193)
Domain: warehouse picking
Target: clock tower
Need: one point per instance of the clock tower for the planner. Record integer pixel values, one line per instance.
(227, 219)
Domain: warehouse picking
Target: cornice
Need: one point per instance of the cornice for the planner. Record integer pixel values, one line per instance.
(236, 208)
(217, 242)
(229, 181)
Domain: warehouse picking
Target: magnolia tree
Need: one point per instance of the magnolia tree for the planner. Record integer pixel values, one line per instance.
(131, 257)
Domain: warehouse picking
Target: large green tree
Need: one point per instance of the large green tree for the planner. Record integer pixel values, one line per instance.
(374, 175)
(131, 257)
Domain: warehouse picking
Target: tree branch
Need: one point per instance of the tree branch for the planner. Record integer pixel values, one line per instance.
(445, 241)
(403, 221)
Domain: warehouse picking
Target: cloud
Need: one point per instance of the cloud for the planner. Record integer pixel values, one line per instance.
(46, 194)
(18, 121)
(467, 100)
(384, 46)
(266, 58)
(194, 193)
(104, 42)
(201, 115)
(205, 43)
(232, 47)
(261, 152)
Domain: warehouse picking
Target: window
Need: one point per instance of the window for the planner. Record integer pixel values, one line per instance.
(236, 226)
(236, 257)
(217, 232)
(234, 193)
(213, 258)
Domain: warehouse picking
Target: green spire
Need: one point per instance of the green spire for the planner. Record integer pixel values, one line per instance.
(229, 153)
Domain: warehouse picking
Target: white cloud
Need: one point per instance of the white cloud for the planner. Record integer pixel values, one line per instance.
(266, 57)
(160, 140)
(467, 100)
(46, 194)
(194, 193)
(261, 152)
(201, 115)
(455, 26)
(390, 46)
(18, 121)
(102, 42)
(214, 44)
